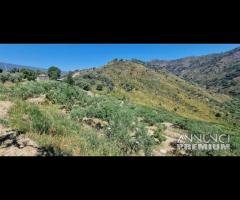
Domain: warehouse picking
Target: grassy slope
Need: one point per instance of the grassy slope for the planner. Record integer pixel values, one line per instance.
(219, 72)
(163, 90)
(153, 91)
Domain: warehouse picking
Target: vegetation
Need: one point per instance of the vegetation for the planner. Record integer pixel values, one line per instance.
(54, 73)
(70, 79)
(99, 87)
(124, 96)
(217, 72)
(28, 74)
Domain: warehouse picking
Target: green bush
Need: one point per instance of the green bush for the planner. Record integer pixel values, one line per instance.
(103, 79)
(128, 87)
(69, 79)
(4, 77)
(99, 87)
(29, 74)
(159, 134)
(82, 83)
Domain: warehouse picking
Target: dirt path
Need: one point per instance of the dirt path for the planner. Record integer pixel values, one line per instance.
(167, 147)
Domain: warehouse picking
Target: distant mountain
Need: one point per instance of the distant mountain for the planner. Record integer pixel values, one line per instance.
(219, 72)
(8, 66)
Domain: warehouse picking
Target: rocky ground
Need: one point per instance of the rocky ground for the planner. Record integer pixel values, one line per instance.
(168, 147)
(13, 143)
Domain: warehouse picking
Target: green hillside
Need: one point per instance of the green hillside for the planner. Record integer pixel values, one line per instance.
(120, 109)
(219, 72)
(144, 86)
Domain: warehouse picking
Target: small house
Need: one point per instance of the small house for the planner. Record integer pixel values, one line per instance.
(42, 77)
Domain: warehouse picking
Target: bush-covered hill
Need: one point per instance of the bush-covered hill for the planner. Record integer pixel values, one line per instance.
(133, 81)
(118, 110)
(219, 72)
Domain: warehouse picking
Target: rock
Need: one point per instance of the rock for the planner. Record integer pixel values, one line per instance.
(157, 140)
(140, 119)
(151, 130)
(12, 143)
(89, 93)
(37, 100)
(95, 122)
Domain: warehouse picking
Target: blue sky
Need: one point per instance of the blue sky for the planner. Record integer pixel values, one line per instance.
(76, 56)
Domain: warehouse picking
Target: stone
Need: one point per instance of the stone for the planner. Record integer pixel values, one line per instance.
(95, 122)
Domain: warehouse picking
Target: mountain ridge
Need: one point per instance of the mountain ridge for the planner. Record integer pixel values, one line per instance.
(219, 71)
(8, 66)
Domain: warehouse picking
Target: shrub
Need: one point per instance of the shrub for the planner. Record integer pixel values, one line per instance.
(144, 141)
(29, 74)
(128, 87)
(99, 87)
(104, 80)
(4, 77)
(16, 77)
(70, 80)
(80, 82)
(159, 134)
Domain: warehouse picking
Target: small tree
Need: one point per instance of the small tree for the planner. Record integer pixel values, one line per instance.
(54, 73)
(1, 70)
(70, 79)
(4, 77)
(29, 74)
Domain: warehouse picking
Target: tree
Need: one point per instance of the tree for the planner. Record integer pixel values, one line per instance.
(4, 77)
(29, 74)
(14, 70)
(1, 70)
(54, 73)
(70, 79)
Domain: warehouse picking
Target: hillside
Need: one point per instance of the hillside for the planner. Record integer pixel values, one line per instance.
(143, 86)
(120, 109)
(219, 72)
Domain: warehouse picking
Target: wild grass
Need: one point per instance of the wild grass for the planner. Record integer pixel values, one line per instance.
(122, 109)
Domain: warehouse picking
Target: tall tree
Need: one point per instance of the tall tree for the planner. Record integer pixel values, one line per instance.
(54, 73)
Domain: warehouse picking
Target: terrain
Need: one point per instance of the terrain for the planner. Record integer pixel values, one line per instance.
(124, 108)
(219, 72)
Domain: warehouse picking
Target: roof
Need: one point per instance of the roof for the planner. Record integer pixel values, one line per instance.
(43, 75)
